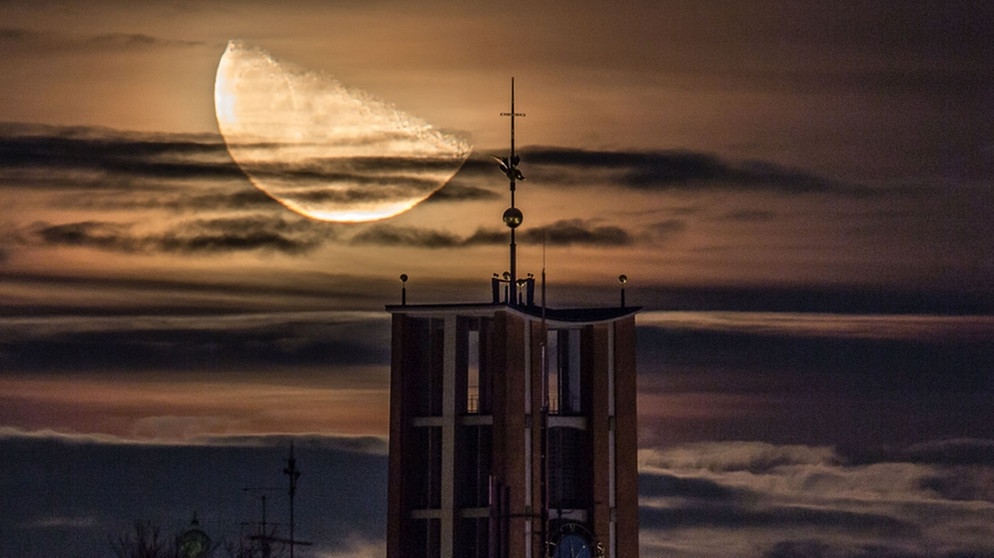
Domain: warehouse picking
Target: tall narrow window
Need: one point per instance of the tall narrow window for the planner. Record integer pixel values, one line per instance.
(486, 340)
(552, 367)
(473, 371)
(474, 448)
(423, 468)
(568, 362)
(472, 537)
(569, 469)
(472, 378)
(423, 538)
(424, 375)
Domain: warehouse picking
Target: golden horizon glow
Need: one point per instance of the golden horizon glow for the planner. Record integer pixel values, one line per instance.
(152, 407)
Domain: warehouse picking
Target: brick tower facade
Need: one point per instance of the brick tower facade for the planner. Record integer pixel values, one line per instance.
(512, 434)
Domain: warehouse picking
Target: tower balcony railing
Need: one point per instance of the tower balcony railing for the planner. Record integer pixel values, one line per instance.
(572, 406)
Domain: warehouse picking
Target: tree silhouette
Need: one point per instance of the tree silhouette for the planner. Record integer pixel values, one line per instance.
(144, 540)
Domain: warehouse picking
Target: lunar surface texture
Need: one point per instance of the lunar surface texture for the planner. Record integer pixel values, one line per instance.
(323, 150)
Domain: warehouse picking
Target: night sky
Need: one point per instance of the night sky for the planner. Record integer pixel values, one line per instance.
(799, 192)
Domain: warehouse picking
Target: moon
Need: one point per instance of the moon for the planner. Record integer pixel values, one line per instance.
(323, 150)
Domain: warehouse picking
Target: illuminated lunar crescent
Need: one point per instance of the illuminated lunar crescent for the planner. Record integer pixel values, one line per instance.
(323, 150)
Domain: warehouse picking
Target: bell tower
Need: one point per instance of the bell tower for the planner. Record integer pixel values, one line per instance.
(512, 424)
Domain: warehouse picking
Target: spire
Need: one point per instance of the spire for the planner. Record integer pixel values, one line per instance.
(512, 215)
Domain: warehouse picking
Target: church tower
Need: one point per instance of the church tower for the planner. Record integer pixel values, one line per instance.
(512, 425)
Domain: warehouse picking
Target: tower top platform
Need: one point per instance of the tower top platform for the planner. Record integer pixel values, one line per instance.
(567, 315)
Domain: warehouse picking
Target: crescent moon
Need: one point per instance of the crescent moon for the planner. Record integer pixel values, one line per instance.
(323, 150)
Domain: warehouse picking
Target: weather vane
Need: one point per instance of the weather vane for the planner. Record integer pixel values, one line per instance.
(509, 166)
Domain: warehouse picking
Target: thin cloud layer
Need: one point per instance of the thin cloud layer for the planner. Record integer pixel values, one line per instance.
(760, 499)
(153, 156)
(389, 235)
(201, 236)
(184, 156)
(81, 187)
(195, 342)
(567, 232)
(577, 231)
(456, 191)
(673, 170)
(27, 39)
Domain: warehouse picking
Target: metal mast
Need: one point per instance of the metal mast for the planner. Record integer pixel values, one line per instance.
(293, 474)
(544, 440)
(512, 215)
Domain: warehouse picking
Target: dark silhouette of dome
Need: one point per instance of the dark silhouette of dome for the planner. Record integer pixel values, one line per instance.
(194, 543)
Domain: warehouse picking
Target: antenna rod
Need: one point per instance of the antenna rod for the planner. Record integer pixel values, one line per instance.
(544, 440)
(512, 140)
(544, 239)
(294, 474)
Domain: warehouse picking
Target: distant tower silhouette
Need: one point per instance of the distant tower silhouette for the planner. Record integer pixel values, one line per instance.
(194, 542)
(293, 474)
(512, 425)
(263, 541)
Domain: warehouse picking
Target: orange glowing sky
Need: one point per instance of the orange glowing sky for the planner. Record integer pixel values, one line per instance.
(849, 146)
(187, 409)
(717, 145)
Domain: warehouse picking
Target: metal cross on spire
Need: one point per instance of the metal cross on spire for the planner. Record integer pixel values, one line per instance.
(512, 215)
(509, 165)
